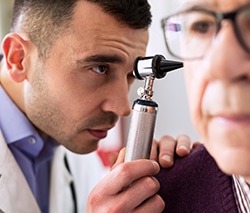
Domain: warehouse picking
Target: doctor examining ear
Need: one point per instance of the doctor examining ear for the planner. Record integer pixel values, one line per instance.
(66, 71)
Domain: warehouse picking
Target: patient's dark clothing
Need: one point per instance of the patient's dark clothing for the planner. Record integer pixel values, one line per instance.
(196, 185)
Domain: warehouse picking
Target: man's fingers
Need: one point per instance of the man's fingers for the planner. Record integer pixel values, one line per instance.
(154, 151)
(139, 196)
(183, 145)
(126, 173)
(119, 159)
(167, 146)
(128, 187)
(164, 150)
(153, 204)
(140, 190)
(196, 143)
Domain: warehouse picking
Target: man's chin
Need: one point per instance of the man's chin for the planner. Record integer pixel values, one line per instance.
(232, 160)
(84, 148)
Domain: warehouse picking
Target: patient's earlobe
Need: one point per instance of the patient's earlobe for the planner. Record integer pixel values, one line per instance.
(14, 49)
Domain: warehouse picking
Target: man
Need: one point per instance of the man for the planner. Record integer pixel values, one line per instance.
(214, 40)
(65, 77)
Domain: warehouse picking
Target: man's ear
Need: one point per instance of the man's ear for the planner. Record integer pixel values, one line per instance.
(15, 49)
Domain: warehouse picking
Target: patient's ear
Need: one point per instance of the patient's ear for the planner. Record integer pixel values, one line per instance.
(15, 50)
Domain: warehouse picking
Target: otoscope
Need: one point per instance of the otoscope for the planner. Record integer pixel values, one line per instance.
(144, 109)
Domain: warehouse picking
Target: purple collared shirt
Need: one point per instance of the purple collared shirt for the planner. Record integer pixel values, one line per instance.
(32, 153)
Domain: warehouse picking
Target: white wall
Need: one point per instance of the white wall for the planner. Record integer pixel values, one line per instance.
(169, 92)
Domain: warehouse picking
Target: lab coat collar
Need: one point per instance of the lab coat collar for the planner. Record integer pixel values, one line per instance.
(15, 194)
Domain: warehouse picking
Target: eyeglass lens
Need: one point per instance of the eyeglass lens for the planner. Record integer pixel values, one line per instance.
(189, 34)
(243, 25)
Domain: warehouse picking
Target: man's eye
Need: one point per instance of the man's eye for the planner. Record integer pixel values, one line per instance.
(102, 69)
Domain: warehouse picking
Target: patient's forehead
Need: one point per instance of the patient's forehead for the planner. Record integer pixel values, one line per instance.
(189, 3)
(184, 4)
(218, 5)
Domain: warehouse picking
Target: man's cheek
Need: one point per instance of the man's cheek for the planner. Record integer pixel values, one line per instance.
(197, 116)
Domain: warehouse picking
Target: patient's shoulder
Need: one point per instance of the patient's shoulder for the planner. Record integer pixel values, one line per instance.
(195, 182)
(197, 164)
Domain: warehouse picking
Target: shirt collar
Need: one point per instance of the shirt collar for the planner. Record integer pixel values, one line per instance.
(17, 129)
(242, 193)
(13, 122)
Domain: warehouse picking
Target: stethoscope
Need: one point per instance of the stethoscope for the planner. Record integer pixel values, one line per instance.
(72, 185)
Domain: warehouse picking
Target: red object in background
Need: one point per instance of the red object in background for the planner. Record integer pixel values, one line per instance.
(104, 155)
(112, 143)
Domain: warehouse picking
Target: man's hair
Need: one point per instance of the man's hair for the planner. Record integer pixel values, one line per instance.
(44, 20)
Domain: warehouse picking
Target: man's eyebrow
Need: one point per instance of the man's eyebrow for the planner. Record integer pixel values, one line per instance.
(101, 59)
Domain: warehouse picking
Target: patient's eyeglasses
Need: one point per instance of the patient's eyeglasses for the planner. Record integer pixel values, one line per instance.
(189, 34)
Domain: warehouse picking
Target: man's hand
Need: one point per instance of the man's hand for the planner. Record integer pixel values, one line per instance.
(128, 187)
(163, 151)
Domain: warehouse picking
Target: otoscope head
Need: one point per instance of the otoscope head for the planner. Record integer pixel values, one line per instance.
(156, 66)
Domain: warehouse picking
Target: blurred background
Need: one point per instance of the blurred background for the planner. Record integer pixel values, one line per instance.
(169, 92)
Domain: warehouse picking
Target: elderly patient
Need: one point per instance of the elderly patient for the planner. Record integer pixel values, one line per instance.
(214, 41)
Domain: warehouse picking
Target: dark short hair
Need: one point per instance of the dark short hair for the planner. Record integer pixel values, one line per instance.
(43, 20)
(135, 13)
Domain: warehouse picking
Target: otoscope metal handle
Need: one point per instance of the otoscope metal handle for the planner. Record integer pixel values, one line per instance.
(144, 110)
(141, 131)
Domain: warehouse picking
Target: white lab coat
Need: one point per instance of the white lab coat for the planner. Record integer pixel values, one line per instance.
(16, 196)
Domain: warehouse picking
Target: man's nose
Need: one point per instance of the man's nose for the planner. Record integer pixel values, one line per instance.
(117, 100)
